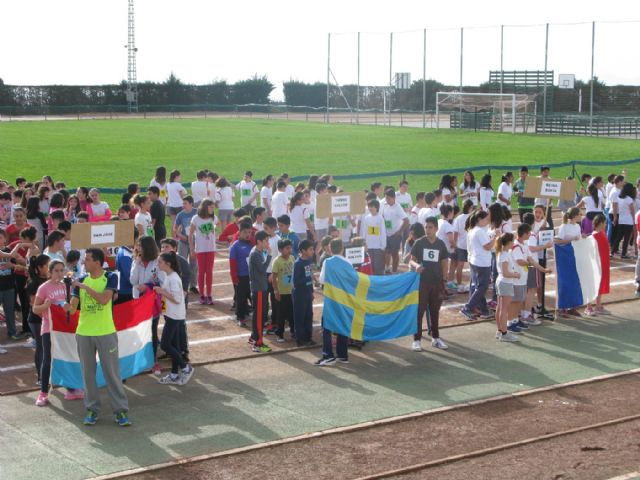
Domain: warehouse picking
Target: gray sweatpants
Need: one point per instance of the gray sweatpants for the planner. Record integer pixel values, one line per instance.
(183, 251)
(107, 348)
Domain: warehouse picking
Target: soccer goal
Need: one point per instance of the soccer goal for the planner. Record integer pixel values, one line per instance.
(486, 111)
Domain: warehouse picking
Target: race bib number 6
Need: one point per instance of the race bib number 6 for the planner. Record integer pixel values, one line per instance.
(430, 255)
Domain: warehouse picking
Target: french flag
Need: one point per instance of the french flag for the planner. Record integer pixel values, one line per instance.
(578, 273)
(133, 324)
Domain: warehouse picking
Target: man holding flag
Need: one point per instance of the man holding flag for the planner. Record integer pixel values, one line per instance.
(96, 332)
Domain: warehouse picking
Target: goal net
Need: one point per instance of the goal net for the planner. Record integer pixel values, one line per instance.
(502, 112)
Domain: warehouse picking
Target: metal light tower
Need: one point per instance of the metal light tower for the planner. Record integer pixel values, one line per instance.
(132, 75)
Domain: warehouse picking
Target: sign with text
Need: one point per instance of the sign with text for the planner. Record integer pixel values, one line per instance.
(340, 204)
(545, 236)
(536, 187)
(354, 255)
(102, 234)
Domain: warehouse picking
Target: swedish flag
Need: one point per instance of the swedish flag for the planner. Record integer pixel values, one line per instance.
(369, 308)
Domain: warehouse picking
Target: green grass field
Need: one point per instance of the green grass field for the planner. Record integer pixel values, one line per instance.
(112, 153)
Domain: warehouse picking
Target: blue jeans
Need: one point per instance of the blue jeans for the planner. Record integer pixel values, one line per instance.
(327, 346)
(480, 278)
(8, 301)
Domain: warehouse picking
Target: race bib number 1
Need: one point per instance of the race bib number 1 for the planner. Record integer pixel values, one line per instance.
(430, 255)
(375, 231)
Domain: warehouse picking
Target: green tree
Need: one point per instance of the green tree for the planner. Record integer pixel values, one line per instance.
(253, 90)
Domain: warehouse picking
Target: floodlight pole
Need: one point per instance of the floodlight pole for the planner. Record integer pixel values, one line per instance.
(593, 46)
(132, 72)
(544, 89)
(358, 86)
(328, 73)
(424, 79)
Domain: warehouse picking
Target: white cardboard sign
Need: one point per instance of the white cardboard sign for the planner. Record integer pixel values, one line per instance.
(545, 236)
(101, 234)
(354, 255)
(340, 204)
(550, 188)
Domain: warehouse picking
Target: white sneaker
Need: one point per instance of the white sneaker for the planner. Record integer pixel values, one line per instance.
(463, 289)
(417, 346)
(438, 343)
(532, 321)
(508, 337)
(3, 350)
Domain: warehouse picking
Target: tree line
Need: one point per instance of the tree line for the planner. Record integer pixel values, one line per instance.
(257, 90)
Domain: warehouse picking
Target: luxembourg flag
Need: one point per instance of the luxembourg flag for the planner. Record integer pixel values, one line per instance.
(578, 273)
(133, 325)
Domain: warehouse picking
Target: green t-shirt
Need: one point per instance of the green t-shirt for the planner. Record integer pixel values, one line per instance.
(284, 269)
(96, 320)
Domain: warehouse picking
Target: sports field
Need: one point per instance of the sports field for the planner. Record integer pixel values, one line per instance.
(111, 153)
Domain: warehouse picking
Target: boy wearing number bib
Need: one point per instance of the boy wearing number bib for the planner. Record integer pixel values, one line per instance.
(429, 258)
(375, 235)
(396, 222)
(248, 192)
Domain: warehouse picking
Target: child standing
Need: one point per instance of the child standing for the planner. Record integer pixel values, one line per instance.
(224, 199)
(202, 241)
(285, 234)
(429, 258)
(143, 221)
(460, 238)
(504, 284)
(480, 244)
(446, 234)
(239, 269)
(174, 316)
(600, 236)
(282, 289)
(375, 235)
(175, 193)
(303, 294)
(259, 260)
(395, 222)
(248, 192)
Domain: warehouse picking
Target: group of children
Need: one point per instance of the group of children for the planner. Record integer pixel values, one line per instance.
(277, 244)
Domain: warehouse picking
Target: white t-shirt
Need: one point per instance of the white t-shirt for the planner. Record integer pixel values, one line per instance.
(458, 227)
(444, 229)
(470, 193)
(373, 231)
(520, 252)
(427, 212)
(199, 190)
(145, 220)
(445, 192)
(569, 230)
(279, 204)
(299, 215)
(506, 191)
(273, 246)
(265, 197)
(247, 190)
(476, 240)
(607, 190)
(393, 216)
(173, 285)
(204, 234)
(174, 200)
(413, 215)
(290, 191)
(505, 257)
(590, 205)
(486, 196)
(624, 210)
(225, 198)
(404, 200)
(162, 188)
(613, 197)
(506, 227)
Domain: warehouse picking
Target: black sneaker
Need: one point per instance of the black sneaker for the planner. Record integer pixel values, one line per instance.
(325, 362)
(194, 290)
